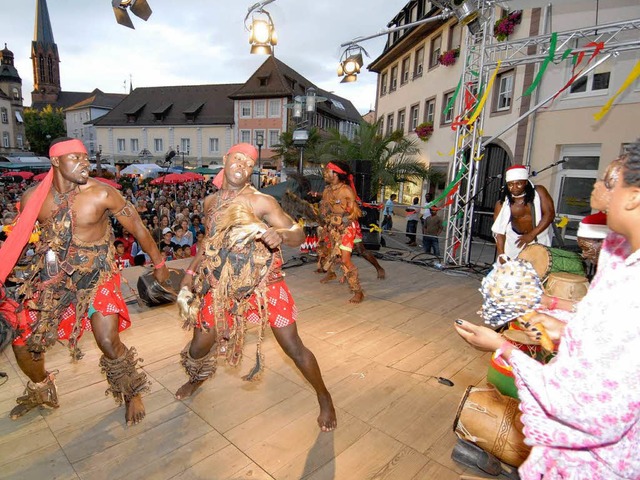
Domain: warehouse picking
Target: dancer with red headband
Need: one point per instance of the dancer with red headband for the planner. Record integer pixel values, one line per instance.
(236, 277)
(341, 230)
(72, 283)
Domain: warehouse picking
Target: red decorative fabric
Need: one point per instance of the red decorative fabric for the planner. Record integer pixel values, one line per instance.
(108, 301)
(19, 237)
(69, 146)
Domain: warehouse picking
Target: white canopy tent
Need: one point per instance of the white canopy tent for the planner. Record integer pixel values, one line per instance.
(145, 169)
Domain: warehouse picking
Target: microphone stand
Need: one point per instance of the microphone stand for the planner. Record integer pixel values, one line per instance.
(535, 173)
(488, 182)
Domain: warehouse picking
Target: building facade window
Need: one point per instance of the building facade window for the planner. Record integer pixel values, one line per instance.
(245, 109)
(413, 114)
(121, 145)
(401, 119)
(260, 107)
(418, 63)
(245, 136)
(505, 92)
(4, 115)
(274, 108)
(16, 93)
(394, 79)
(447, 115)
(436, 48)
(430, 110)
(383, 84)
(134, 145)
(596, 81)
(274, 138)
(455, 36)
(576, 178)
(5, 140)
(404, 75)
(158, 145)
(214, 145)
(185, 145)
(19, 141)
(390, 124)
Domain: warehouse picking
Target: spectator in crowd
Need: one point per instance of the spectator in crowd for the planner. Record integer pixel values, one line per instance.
(123, 259)
(412, 222)
(387, 219)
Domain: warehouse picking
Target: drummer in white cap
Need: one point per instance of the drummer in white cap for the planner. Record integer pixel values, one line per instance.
(523, 215)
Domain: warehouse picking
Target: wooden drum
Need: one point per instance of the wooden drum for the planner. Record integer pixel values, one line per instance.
(567, 286)
(492, 421)
(546, 260)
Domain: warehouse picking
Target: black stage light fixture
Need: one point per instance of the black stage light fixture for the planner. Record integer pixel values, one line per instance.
(140, 8)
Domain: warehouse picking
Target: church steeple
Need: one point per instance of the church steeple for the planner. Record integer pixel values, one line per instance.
(45, 58)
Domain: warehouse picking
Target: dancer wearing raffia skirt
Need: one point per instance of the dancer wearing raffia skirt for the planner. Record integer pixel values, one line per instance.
(72, 283)
(236, 278)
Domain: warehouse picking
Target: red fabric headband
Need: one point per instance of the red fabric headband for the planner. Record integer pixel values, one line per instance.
(66, 147)
(246, 149)
(337, 169)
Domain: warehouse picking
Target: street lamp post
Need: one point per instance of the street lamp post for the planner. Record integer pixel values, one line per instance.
(181, 153)
(98, 161)
(259, 144)
(303, 111)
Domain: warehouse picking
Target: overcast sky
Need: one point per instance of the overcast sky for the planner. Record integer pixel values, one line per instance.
(190, 42)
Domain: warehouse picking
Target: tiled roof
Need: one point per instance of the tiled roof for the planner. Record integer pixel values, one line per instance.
(175, 105)
(99, 99)
(274, 78)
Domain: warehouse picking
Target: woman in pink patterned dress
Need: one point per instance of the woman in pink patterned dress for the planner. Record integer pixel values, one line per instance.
(581, 412)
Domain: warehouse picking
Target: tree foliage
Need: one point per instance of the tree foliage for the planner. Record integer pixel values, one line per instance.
(39, 124)
(393, 157)
(290, 154)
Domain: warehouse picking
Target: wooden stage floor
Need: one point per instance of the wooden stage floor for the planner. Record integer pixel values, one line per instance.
(393, 422)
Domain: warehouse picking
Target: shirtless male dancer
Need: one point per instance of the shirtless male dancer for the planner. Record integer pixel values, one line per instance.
(72, 283)
(234, 283)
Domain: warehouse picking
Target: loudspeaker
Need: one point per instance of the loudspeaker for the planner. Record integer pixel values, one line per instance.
(361, 170)
(370, 239)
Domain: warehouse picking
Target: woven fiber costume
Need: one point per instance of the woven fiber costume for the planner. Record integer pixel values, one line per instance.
(339, 232)
(238, 280)
(66, 281)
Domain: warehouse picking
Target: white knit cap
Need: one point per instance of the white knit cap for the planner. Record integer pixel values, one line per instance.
(517, 172)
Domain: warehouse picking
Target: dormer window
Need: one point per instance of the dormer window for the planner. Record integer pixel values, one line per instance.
(192, 112)
(133, 113)
(264, 81)
(160, 113)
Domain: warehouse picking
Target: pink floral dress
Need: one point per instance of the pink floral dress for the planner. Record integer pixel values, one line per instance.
(581, 412)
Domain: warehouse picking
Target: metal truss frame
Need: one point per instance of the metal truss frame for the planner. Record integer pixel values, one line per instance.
(483, 54)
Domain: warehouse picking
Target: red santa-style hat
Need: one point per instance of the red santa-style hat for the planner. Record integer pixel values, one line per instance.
(594, 226)
(516, 172)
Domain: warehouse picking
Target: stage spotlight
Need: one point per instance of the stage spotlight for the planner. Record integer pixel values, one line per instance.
(140, 8)
(350, 63)
(262, 31)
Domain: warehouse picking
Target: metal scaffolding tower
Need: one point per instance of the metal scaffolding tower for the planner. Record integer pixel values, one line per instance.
(482, 56)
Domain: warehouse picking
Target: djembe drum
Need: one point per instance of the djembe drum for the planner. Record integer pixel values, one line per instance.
(492, 421)
(547, 260)
(567, 286)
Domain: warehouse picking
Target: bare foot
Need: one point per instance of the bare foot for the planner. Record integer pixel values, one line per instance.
(320, 270)
(327, 419)
(187, 390)
(357, 297)
(381, 274)
(328, 277)
(134, 410)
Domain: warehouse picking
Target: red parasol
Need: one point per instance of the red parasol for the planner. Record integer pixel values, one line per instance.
(109, 182)
(39, 177)
(194, 176)
(23, 175)
(172, 178)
